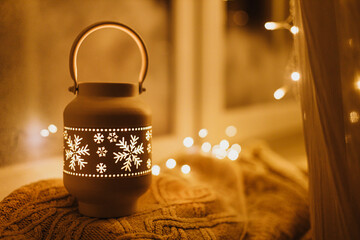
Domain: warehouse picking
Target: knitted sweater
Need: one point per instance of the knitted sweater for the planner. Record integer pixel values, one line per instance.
(253, 198)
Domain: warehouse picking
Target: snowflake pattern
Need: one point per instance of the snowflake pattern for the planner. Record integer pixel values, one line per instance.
(112, 137)
(98, 138)
(149, 148)
(101, 151)
(148, 163)
(148, 135)
(101, 168)
(130, 153)
(75, 152)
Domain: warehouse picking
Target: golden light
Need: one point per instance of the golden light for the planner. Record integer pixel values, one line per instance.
(52, 128)
(271, 25)
(294, 30)
(170, 163)
(295, 76)
(188, 142)
(236, 147)
(279, 93)
(357, 84)
(354, 117)
(218, 152)
(155, 170)
(232, 154)
(203, 133)
(230, 131)
(224, 144)
(185, 169)
(206, 147)
(44, 133)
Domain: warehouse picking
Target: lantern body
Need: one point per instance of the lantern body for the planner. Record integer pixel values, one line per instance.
(107, 148)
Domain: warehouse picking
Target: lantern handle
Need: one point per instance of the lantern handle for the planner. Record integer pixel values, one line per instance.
(92, 28)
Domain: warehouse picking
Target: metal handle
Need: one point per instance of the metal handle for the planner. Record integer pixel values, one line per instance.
(87, 31)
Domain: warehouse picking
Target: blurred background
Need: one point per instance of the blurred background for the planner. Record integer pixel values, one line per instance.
(213, 65)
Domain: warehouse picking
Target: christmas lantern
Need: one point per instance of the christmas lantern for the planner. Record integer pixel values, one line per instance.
(107, 139)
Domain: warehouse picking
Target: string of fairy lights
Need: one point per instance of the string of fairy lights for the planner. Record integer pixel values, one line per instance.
(222, 150)
(294, 30)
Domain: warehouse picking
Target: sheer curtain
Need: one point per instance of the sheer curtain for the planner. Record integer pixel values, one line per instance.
(329, 53)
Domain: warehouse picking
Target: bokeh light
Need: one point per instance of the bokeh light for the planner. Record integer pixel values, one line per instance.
(170, 163)
(279, 93)
(203, 133)
(236, 147)
(188, 142)
(206, 147)
(294, 30)
(155, 170)
(44, 133)
(232, 154)
(224, 144)
(52, 128)
(295, 76)
(185, 169)
(230, 131)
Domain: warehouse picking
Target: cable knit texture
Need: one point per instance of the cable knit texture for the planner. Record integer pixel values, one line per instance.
(253, 198)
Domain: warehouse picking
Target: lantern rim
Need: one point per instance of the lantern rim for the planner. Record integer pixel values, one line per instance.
(105, 89)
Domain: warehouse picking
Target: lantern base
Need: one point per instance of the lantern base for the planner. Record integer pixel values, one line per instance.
(107, 210)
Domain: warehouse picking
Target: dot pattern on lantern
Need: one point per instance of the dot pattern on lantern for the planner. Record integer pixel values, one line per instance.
(123, 152)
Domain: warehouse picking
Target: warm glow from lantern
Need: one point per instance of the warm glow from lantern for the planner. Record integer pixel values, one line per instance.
(230, 131)
(185, 169)
(232, 154)
(294, 30)
(236, 147)
(206, 147)
(203, 133)
(295, 76)
(52, 128)
(155, 170)
(224, 144)
(188, 142)
(271, 25)
(170, 163)
(279, 94)
(354, 117)
(44, 133)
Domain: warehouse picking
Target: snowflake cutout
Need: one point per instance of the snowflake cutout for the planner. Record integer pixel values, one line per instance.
(101, 151)
(66, 135)
(101, 168)
(148, 163)
(75, 152)
(149, 148)
(98, 138)
(148, 135)
(112, 137)
(130, 153)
